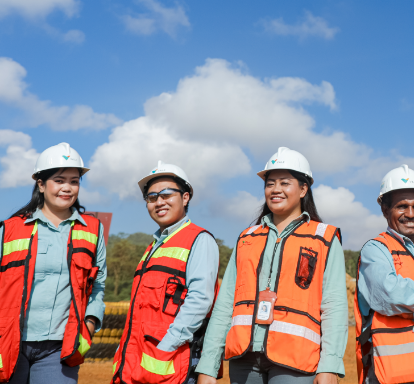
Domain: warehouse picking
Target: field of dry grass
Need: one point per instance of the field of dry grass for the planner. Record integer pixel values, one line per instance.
(100, 372)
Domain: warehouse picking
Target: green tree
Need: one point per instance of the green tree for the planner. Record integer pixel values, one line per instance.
(225, 253)
(351, 262)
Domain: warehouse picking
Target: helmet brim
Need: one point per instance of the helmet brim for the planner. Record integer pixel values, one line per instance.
(84, 170)
(262, 174)
(143, 182)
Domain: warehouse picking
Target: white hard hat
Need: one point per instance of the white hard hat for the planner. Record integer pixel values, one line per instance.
(59, 156)
(399, 178)
(165, 170)
(289, 159)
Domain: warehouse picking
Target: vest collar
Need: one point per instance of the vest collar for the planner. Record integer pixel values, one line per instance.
(401, 238)
(168, 231)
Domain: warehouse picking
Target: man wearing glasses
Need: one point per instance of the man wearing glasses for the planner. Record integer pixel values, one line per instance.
(174, 288)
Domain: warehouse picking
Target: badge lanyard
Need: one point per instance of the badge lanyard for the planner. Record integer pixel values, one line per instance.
(267, 298)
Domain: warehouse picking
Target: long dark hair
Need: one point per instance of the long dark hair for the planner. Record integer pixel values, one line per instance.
(306, 203)
(38, 199)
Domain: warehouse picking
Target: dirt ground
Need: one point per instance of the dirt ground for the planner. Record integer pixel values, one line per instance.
(100, 372)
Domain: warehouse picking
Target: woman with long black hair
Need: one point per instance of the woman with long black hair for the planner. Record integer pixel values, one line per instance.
(52, 276)
(282, 313)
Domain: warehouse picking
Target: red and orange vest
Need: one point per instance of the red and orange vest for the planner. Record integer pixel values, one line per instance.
(158, 291)
(19, 252)
(388, 343)
(293, 340)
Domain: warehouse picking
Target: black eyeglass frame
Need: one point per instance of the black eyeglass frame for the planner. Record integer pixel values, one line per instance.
(160, 193)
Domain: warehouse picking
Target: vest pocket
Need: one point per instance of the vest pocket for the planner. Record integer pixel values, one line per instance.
(306, 267)
(83, 265)
(150, 293)
(175, 293)
(154, 365)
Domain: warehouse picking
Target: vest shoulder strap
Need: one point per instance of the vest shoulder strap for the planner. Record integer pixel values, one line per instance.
(393, 245)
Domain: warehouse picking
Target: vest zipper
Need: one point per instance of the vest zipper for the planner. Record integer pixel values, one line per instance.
(393, 330)
(247, 302)
(287, 309)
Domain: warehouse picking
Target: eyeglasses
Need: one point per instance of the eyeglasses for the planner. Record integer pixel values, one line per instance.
(165, 194)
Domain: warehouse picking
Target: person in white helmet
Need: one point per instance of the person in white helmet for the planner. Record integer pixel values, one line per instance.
(174, 288)
(384, 298)
(282, 313)
(52, 276)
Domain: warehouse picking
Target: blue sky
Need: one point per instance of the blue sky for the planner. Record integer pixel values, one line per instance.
(215, 87)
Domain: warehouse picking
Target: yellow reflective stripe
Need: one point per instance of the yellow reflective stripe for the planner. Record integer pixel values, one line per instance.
(1, 362)
(173, 253)
(82, 235)
(177, 230)
(83, 345)
(19, 244)
(16, 246)
(34, 228)
(158, 367)
(114, 367)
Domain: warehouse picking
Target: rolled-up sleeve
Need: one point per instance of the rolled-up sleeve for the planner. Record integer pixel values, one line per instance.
(334, 313)
(379, 285)
(96, 306)
(220, 322)
(202, 271)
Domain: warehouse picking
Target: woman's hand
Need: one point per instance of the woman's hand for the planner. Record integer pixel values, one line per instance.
(206, 379)
(91, 327)
(326, 378)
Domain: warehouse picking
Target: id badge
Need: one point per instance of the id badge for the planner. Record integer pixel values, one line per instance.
(266, 304)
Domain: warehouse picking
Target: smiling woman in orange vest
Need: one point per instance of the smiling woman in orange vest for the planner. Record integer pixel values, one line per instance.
(174, 288)
(282, 312)
(52, 276)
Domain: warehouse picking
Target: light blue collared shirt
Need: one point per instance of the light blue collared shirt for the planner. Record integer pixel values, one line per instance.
(48, 308)
(202, 269)
(379, 286)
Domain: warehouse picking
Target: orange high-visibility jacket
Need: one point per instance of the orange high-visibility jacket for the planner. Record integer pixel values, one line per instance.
(19, 252)
(293, 340)
(388, 343)
(158, 291)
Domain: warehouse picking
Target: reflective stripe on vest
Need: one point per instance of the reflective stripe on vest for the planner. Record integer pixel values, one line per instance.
(394, 350)
(280, 326)
(388, 340)
(18, 245)
(156, 366)
(299, 283)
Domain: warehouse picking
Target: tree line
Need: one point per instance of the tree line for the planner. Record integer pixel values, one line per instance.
(124, 251)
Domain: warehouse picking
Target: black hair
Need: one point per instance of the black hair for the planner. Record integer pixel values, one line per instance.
(306, 203)
(38, 199)
(386, 201)
(181, 185)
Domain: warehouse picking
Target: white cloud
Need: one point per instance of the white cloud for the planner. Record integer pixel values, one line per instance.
(243, 207)
(309, 26)
(135, 148)
(38, 8)
(13, 91)
(158, 17)
(91, 197)
(338, 207)
(74, 36)
(18, 162)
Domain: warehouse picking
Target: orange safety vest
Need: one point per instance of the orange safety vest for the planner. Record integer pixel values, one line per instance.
(388, 343)
(293, 340)
(158, 291)
(19, 252)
